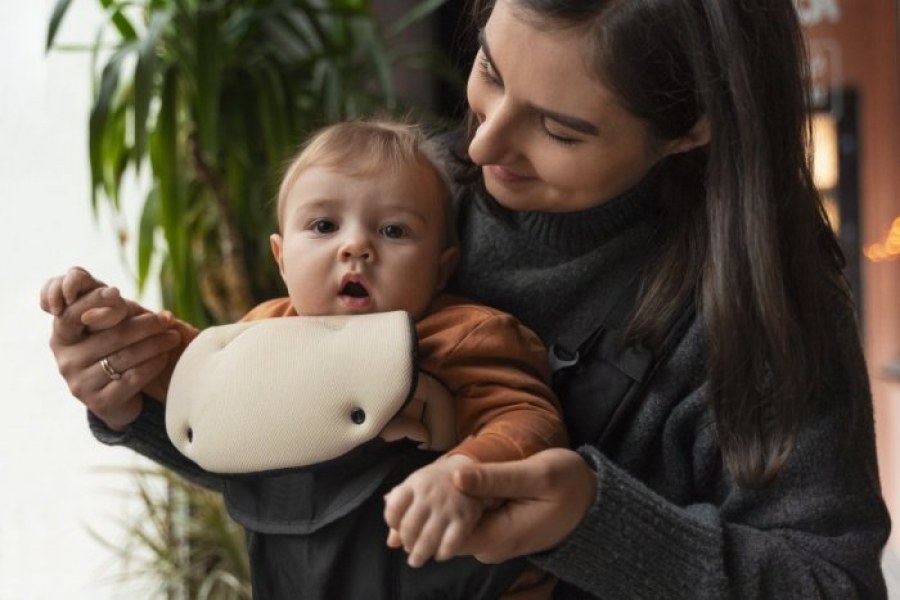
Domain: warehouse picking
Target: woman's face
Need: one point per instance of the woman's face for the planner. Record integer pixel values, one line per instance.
(551, 138)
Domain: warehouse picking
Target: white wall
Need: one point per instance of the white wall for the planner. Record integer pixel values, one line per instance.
(50, 492)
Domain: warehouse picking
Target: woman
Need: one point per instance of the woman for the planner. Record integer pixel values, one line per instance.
(647, 208)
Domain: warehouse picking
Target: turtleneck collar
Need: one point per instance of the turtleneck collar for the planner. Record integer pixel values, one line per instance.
(555, 271)
(575, 233)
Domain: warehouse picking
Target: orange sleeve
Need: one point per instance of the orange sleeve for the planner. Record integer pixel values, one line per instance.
(159, 387)
(277, 307)
(498, 373)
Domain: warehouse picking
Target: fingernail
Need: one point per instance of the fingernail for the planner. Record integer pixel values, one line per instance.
(109, 292)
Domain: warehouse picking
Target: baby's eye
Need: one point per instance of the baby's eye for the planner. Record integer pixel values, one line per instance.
(394, 232)
(324, 226)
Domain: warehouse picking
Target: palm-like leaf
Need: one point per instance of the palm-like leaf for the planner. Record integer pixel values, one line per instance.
(202, 556)
(213, 96)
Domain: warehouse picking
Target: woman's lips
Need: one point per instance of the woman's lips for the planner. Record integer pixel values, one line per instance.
(505, 175)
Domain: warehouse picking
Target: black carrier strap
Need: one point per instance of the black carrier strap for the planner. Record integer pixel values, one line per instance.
(567, 350)
(599, 378)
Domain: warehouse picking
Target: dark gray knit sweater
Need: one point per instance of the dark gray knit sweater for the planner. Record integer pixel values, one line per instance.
(668, 521)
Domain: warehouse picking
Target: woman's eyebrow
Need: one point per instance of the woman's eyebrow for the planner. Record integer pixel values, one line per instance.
(482, 41)
(574, 123)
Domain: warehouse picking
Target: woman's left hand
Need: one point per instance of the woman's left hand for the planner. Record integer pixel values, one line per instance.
(546, 497)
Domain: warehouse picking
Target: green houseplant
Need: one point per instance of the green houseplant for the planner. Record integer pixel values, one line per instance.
(213, 96)
(208, 98)
(181, 543)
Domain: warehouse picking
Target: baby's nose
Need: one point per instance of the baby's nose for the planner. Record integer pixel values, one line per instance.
(356, 246)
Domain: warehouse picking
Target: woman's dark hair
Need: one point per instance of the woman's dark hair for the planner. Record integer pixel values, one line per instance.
(746, 236)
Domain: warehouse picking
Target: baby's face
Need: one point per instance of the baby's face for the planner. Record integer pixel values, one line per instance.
(363, 244)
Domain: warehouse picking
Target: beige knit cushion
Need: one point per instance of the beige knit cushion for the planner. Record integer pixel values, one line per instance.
(289, 392)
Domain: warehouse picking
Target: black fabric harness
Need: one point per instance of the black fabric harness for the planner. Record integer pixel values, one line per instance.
(319, 534)
(599, 377)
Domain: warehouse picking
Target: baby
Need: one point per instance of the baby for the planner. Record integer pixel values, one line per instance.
(366, 225)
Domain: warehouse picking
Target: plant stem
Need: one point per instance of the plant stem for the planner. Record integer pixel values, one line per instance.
(233, 270)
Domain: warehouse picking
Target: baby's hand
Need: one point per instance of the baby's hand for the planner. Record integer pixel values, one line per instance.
(427, 515)
(61, 291)
(100, 310)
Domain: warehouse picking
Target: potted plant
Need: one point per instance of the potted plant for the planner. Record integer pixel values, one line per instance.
(208, 98)
(212, 96)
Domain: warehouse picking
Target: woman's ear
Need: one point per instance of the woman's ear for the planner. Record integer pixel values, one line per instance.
(699, 135)
(275, 242)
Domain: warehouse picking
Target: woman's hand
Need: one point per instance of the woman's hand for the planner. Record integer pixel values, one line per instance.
(91, 323)
(546, 496)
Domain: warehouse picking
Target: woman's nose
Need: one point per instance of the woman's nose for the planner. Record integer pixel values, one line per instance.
(495, 139)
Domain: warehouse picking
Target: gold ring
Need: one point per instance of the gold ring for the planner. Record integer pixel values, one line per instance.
(113, 374)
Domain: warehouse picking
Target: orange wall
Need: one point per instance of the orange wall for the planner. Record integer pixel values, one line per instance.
(865, 34)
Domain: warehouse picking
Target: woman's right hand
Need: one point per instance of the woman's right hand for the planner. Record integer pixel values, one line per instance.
(91, 323)
(543, 497)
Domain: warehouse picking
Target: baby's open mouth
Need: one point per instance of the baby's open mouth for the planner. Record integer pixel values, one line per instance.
(354, 289)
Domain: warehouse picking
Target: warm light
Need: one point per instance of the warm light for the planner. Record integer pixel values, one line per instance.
(833, 212)
(825, 151)
(887, 250)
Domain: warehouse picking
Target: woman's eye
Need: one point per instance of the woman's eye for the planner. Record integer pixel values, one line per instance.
(323, 226)
(559, 139)
(486, 70)
(394, 232)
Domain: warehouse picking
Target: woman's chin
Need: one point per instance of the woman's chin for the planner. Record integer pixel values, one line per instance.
(515, 200)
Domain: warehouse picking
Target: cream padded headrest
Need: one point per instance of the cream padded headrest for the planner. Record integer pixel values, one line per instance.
(289, 392)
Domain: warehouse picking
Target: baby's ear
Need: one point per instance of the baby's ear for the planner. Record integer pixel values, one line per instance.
(275, 241)
(448, 261)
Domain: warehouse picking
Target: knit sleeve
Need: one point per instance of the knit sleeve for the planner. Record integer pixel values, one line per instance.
(817, 531)
(496, 370)
(147, 436)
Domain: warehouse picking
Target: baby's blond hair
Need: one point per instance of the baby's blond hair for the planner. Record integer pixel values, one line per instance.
(364, 147)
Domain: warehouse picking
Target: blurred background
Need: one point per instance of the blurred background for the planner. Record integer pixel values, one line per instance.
(79, 520)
